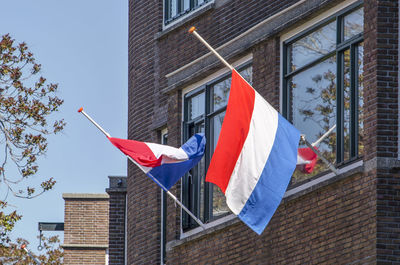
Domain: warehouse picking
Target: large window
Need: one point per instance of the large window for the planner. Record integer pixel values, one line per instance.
(323, 86)
(204, 111)
(175, 9)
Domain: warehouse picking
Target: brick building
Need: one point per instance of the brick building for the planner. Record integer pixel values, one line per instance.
(85, 228)
(321, 63)
(94, 225)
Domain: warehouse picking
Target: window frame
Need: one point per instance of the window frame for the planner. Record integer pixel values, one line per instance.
(342, 45)
(188, 223)
(193, 6)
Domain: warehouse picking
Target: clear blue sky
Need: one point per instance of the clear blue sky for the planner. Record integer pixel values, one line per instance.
(82, 46)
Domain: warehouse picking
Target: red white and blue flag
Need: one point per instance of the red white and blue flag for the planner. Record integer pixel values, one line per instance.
(306, 160)
(165, 163)
(255, 156)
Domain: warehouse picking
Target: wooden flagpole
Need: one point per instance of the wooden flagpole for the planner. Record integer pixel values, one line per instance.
(151, 176)
(193, 31)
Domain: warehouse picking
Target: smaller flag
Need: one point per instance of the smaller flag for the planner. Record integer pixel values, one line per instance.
(306, 159)
(165, 163)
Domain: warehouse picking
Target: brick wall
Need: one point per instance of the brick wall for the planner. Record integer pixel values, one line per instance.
(117, 193)
(144, 108)
(85, 228)
(383, 29)
(84, 256)
(354, 219)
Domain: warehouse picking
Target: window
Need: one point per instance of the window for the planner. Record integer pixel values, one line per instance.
(204, 111)
(323, 86)
(175, 9)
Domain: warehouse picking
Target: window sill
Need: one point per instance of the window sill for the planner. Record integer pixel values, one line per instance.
(293, 193)
(326, 179)
(181, 21)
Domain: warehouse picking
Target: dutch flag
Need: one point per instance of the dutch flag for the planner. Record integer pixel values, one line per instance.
(255, 156)
(165, 163)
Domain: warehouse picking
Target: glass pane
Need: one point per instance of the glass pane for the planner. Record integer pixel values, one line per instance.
(311, 47)
(197, 173)
(200, 2)
(346, 101)
(360, 99)
(221, 94)
(174, 8)
(247, 74)
(196, 106)
(354, 23)
(220, 90)
(219, 202)
(186, 5)
(313, 111)
(216, 128)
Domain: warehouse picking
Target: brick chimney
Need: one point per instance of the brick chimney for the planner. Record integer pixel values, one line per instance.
(86, 228)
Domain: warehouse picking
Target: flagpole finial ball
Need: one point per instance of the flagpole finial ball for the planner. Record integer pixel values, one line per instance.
(80, 110)
(192, 29)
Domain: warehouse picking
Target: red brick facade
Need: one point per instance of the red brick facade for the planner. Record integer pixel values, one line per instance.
(353, 218)
(85, 228)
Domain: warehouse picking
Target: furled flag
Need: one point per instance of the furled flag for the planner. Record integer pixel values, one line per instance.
(255, 156)
(165, 163)
(306, 159)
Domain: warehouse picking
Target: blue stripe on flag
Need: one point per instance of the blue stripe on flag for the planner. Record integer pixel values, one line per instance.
(169, 174)
(274, 179)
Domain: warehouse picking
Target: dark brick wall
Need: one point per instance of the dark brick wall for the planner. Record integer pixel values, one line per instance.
(335, 224)
(116, 228)
(217, 26)
(381, 89)
(353, 220)
(143, 195)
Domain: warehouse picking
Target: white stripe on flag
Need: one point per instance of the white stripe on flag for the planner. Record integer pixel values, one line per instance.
(254, 155)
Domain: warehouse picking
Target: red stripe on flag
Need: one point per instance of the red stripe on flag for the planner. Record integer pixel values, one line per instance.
(233, 132)
(138, 151)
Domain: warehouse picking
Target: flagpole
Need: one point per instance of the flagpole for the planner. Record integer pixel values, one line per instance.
(324, 136)
(30, 254)
(193, 31)
(153, 178)
(95, 123)
(329, 164)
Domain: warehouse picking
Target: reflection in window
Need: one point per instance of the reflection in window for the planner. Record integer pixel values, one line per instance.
(196, 106)
(314, 107)
(353, 23)
(205, 199)
(314, 45)
(360, 87)
(324, 88)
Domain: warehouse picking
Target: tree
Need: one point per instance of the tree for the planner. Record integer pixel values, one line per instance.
(27, 102)
(14, 254)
